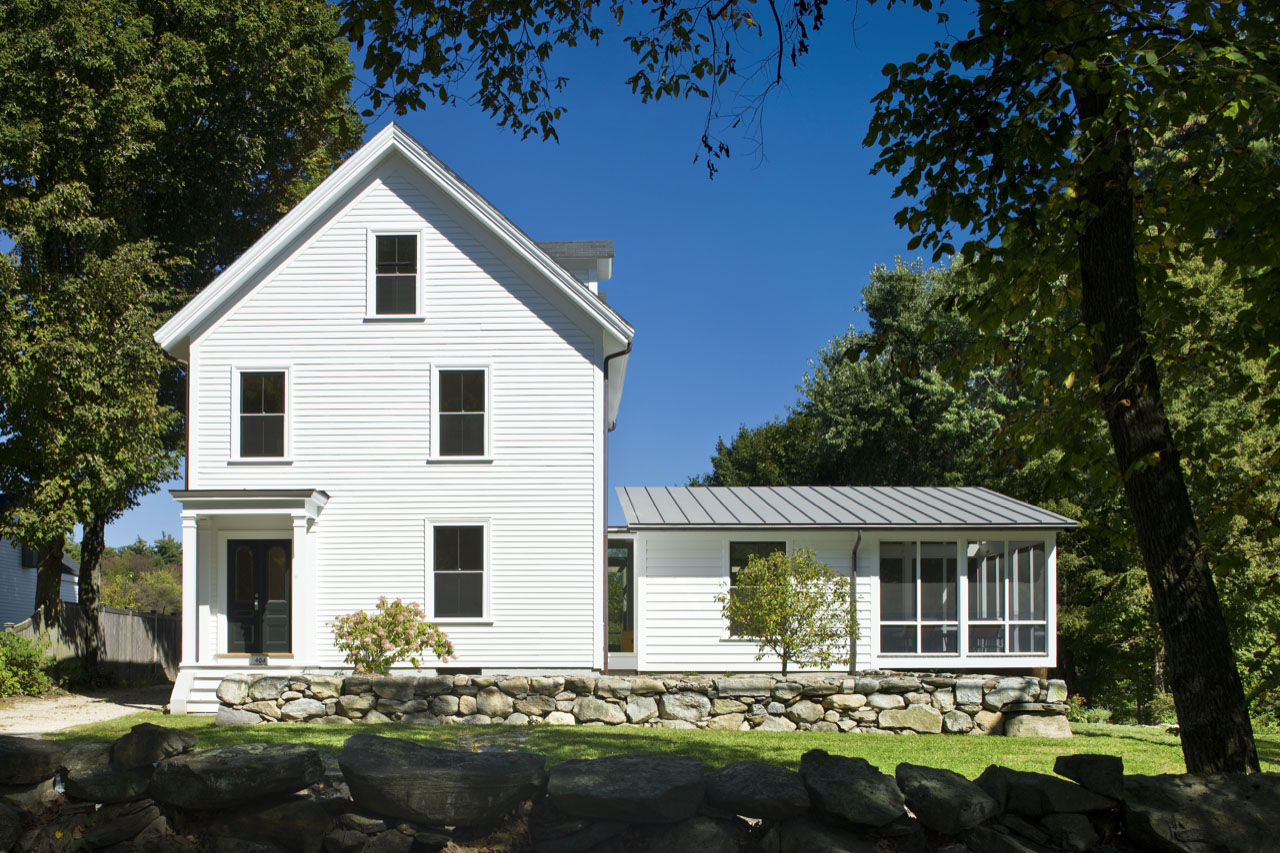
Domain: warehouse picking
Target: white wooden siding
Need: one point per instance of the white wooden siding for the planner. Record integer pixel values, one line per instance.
(360, 428)
(17, 585)
(680, 573)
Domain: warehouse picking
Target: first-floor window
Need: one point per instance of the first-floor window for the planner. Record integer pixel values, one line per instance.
(462, 408)
(919, 592)
(459, 571)
(1008, 598)
(740, 553)
(30, 558)
(262, 414)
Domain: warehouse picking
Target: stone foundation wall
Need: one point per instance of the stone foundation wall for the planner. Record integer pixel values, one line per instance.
(922, 703)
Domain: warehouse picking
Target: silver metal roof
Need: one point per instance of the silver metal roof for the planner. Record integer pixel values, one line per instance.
(865, 507)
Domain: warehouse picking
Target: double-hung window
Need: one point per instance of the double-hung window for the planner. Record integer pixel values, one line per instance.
(740, 553)
(1008, 598)
(261, 419)
(395, 275)
(458, 567)
(30, 558)
(919, 594)
(461, 404)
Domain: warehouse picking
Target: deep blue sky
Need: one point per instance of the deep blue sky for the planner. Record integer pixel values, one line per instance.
(732, 284)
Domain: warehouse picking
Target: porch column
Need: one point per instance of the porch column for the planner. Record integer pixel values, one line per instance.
(304, 585)
(190, 580)
(205, 649)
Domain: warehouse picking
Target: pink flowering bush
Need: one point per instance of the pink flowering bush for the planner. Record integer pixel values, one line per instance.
(397, 632)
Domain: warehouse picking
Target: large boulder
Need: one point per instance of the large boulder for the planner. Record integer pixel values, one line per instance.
(398, 687)
(657, 788)
(806, 835)
(146, 743)
(641, 709)
(612, 687)
(1038, 794)
(1072, 832)
(326, 686)
(398, 778)
(25, 761)
(236, 717)
(297, 825)
(87, 775)
(703, 834)
(301, 709)
(756, 789)
(234, 775)
(851, 789)
(10, 827)
(589, 709)
(918, 718)
(1102, 774)
(267, 687)
(234, 689)
(942, 800)
(1225, 812)
(805, 711)
(686, 706)
(493, 702)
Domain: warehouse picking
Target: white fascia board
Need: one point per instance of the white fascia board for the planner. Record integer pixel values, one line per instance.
(174, 333)
(617, 376)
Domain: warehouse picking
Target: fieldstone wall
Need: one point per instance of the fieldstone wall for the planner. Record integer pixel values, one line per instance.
(919, 703)
(151, 790)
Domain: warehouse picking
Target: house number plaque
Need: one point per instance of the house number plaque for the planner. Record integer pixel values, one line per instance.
(258, 660)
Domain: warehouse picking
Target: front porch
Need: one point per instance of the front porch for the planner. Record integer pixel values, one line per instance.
(248, 585)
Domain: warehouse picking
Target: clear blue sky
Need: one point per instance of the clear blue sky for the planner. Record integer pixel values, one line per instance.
(732, 284)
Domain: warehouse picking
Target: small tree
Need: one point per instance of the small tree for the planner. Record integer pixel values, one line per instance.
(397, 632)
(795, 607)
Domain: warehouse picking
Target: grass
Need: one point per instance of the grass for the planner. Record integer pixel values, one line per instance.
(1144, 750)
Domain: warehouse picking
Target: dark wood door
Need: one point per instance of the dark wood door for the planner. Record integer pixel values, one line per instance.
(259, 596)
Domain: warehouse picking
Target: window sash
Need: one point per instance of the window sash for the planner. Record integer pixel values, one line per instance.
(458, 569)
(1008, 598)
(461, 418)
(262, 414)
(396, 274)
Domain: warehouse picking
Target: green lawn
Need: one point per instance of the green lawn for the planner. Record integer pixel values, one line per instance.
(1144, 750)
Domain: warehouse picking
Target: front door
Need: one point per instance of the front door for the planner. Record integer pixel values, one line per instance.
(259, 596)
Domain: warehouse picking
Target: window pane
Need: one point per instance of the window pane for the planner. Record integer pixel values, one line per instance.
(740, 553)
(459, 594)
(940, 639)
(938, 582)
(446, 556)
(273, 393)
(897, 639)
(471, 549)
(277, 574)
(261, 393)
(1028, 600)
(986, 639)
(397, 254)
(473, 391)
(462, 390)
(897, 581)
(450, 391)
(986, 580)
(461, 435)
(1028, 639)
(396, 294)
(262, 435)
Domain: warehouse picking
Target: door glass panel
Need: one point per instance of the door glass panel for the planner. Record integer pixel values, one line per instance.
(277, 574)
(244, 574)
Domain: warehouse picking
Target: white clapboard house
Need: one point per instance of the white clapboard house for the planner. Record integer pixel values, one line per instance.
(397, 392)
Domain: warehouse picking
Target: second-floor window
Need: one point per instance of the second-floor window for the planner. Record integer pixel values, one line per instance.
(30, 558)
(262, 414)
(462, 413)
(396, 274)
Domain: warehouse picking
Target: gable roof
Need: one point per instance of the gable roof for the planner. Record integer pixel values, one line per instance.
(831, 507)
(218, 297)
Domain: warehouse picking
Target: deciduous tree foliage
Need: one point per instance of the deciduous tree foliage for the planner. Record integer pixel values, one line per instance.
(795, 607)
(143, 145)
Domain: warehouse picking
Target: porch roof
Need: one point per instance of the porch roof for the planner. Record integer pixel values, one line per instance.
(244, 501)
(831, 507)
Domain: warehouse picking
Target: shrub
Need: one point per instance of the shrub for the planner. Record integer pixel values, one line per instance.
(22, 665)
(1076, 708)
(396, 632)
(1097, 715)
(1161, 710)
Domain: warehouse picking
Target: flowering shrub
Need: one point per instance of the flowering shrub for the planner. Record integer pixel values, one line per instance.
(397, 632)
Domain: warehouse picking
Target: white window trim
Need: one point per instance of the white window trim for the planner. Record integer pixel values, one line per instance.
(487, 456)
(725, 636)
(371, 277)
(429, 586)
(235, 457)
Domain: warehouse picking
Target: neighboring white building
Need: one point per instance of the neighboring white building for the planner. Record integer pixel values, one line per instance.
(397, 392)
(955, 579)
(18, 582)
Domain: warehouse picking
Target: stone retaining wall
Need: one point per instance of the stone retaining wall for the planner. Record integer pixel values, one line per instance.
(151, 790)
(922, 703)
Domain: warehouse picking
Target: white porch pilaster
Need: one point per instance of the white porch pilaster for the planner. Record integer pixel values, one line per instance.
(190, 586)
(304, 590)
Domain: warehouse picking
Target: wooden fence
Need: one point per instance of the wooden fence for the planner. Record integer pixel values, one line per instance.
(136, 646)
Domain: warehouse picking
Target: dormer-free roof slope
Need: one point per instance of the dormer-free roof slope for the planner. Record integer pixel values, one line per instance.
(220, 295)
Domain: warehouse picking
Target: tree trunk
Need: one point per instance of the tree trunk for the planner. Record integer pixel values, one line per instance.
(49, 582)
(1201, 668)
(90, 603)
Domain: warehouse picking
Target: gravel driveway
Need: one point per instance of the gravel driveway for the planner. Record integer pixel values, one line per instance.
(32, 716)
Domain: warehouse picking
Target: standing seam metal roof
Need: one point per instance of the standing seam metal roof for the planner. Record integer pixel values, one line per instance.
(830, 507)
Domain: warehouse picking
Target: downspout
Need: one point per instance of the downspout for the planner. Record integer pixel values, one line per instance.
(604, 512)
(853, 606)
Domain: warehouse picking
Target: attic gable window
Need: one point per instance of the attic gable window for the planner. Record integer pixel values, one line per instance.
(396, 274)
